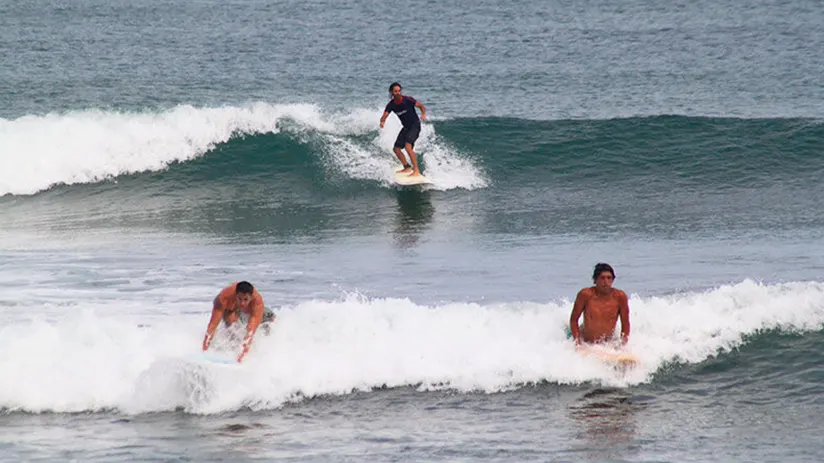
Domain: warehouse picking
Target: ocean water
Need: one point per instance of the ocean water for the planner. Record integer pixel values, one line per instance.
(153, 152)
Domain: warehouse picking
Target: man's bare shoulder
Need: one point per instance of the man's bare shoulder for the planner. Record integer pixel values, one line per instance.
(620, 294)
(258, 300)
(586, 292)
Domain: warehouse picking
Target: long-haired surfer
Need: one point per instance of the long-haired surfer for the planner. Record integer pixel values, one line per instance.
(404, 107)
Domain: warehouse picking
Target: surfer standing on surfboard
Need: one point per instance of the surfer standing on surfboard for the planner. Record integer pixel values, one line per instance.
(404, 106)
(602, 306)
(238, 302)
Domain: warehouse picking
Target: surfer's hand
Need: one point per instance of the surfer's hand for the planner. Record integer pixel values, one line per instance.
(423, 116)
(206, 341)
(243, 353)
(382, 122)
(244, 349)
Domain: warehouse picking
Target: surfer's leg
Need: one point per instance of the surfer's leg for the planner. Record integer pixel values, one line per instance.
(414, 157)
(268, 315)
(402, 159)
(398, 149)
(409, 143)
(268, 318)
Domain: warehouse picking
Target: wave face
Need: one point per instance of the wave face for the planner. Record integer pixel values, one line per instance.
(207, 165)
(236, 144)
(694, 152)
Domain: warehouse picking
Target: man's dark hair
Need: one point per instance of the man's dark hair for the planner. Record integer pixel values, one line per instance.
(244, 287)
(393, 86)
(601, 268)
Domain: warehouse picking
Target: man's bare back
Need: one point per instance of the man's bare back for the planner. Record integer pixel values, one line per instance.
(602, 306)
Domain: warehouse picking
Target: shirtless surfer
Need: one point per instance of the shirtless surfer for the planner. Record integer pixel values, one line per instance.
(602, 306)
(404, 107)
(238, 302)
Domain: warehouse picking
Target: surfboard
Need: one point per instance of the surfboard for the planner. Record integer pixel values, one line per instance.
(609, 355)
(213, 358)
(406, 180)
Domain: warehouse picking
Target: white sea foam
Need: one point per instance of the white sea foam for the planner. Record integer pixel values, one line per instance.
(89, 361)
(37, 152)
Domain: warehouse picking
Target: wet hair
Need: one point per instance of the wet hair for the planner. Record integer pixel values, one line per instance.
(601, 268)
(393, 86)
(244, 287)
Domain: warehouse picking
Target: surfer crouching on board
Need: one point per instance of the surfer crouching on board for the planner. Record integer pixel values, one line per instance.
(404, 106)
(238, 302)
(601, 306)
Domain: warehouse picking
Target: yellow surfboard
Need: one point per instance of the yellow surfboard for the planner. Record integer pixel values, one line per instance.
(609, 355)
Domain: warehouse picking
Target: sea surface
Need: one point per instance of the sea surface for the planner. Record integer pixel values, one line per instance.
(153, 152)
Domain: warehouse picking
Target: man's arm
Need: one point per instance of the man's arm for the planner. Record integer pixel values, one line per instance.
(420, 106)
(217, 315)
(383, 118)
(623, 312)
(577, 310)
(254, 321)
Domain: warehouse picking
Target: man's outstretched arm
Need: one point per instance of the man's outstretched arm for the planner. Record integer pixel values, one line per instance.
(577, 310)
(251, 327)
(217, 314)
(420, 106)
(623, 312)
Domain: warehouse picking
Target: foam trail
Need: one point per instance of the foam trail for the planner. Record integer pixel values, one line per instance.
(85, 362)
(445, 166)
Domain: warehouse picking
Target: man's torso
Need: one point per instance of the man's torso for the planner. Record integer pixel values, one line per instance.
(405, 111)
(600, 315)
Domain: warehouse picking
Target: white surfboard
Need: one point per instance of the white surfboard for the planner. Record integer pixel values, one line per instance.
(405, 179)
